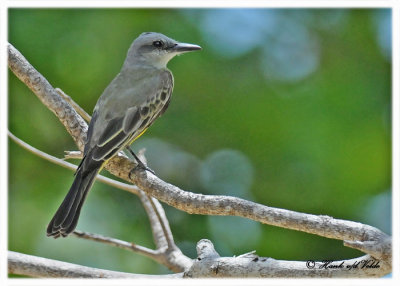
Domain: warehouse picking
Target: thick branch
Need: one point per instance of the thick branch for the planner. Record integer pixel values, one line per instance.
(210, 264)
(39, 85)
(34, 266)
(230, 206)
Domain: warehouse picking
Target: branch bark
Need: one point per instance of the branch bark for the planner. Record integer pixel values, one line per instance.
(210, 264)
(33, 266)
(360, 236)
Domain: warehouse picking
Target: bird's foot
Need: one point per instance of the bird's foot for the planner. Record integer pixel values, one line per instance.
(140, 167)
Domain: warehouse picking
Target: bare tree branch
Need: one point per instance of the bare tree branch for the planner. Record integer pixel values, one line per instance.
(39, 85)
(379, 249)
(162, 221)
(156, 228)
(118, 243)
(158, 220)
(174, 258)
(34, 266)
(357, 235)
(210, 264)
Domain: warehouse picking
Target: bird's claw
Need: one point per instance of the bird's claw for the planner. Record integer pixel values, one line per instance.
(140, 167)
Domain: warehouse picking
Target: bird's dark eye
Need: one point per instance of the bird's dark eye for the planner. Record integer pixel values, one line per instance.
(158, 44)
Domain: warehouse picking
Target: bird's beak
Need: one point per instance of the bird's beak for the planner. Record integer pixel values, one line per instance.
(183, 48)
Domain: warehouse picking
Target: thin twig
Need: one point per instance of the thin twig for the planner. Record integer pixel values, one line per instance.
(158, 220)
(126, 187)
(161, 255)
(156, 229)
(153, 254)
(78, 109)
(72, 155)
(165, 228)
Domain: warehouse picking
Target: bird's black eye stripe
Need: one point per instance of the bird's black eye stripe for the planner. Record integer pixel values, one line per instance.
(158, 44)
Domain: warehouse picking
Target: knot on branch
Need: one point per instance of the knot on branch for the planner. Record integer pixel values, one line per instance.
(205, 250)
(210, 264)
(207, 260)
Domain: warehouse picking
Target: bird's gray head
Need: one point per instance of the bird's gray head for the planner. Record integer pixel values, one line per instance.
(156, 50)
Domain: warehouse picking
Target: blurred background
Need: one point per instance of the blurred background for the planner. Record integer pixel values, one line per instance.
(290, 108)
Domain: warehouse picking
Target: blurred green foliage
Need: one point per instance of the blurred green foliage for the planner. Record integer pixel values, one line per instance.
(317, 144)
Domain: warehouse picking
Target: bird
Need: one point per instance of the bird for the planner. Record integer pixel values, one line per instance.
(138, 95)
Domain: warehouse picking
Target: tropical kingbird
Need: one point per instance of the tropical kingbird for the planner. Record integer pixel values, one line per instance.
(135, 98)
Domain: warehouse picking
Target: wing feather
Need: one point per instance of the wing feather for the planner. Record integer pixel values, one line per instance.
(113, 128)
(111, 132)
(132, 120)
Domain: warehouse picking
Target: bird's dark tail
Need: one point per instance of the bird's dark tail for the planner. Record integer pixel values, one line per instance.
(67, 215)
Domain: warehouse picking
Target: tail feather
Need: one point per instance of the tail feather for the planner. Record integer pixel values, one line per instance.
(67, 215)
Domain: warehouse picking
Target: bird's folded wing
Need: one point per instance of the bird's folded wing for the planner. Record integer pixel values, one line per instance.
(120, 117)
(117, 133)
